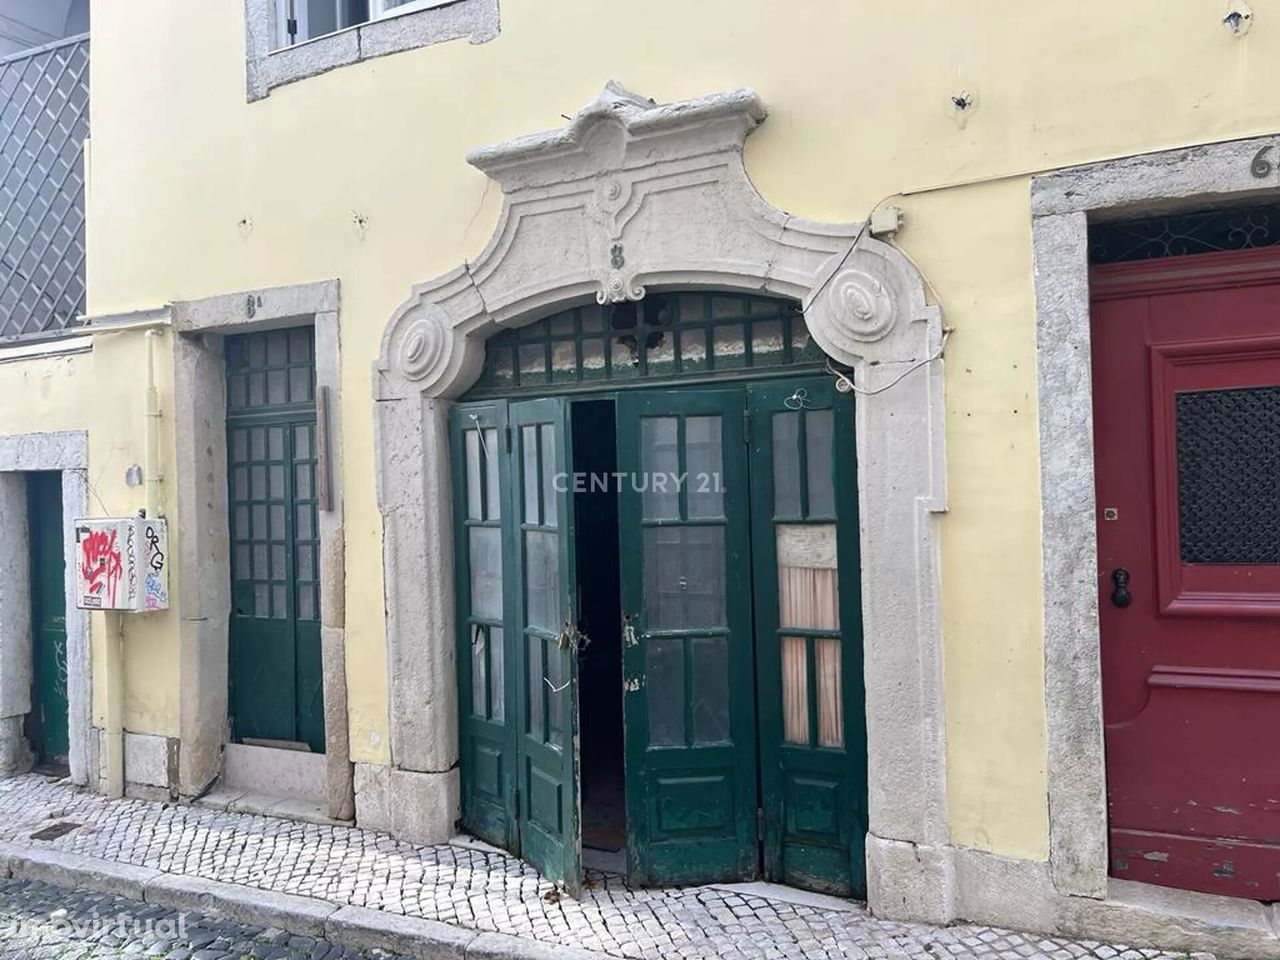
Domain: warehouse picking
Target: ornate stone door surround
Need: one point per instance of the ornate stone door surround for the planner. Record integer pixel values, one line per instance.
(633, 195)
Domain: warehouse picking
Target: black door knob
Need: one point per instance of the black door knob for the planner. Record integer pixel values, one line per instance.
(1120, 596)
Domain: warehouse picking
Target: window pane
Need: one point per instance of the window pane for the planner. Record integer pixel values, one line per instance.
(275, 443)
(479, 671)
(819, 427)
(826, 655)
(275, 473)
(786, 464)
(624, 357)
(529, 472)
(485, 556)
(502, 374)
(1228, 449)
(542, 580)
(664, 686)
(277, 386)
(496, 660)
(728, 346)
(795, 690)
(474, 510)
(533, 364)
(535, 678)
(703, 462)
(710, 689)
(489, 462)
(693, 350)
(808, 593)
(306, 602)
(548, 435)
(304, 529)
(564, 360)
(684, 577)
(556, 697)
(592, 359)
(660, 353)
(766, 343)
(659, 458)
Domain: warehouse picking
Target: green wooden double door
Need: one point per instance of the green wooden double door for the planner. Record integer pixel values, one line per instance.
(741, 637)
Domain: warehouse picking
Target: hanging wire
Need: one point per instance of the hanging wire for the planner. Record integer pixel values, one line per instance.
(845, 384)
(798, 400)
(488, 458)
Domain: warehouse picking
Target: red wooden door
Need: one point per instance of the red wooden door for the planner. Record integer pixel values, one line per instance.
(1186, 368)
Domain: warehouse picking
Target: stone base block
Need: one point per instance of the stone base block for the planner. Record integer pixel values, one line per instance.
(420, 807)
(271, 771)
(15, 753)
(910, 881)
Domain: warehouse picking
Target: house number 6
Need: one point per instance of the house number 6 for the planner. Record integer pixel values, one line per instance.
(1262, 166)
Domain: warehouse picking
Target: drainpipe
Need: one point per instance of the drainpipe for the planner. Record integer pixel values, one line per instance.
(115, 704)
(151, 471)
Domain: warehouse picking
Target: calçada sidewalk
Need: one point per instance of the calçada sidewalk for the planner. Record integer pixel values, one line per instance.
(365, 889)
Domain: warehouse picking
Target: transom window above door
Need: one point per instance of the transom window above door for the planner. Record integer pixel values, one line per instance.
(665, 336)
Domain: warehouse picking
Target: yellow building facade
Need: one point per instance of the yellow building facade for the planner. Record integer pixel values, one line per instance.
(230, 193)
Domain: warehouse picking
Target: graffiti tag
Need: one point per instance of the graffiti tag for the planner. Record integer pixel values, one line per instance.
(100, 566)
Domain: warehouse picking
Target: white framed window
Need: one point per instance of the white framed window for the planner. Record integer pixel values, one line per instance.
(390, 8)
(300, 20)
(289, 40)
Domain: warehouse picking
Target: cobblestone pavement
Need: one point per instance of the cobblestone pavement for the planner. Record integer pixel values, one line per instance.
(481, 889)
(40, 922)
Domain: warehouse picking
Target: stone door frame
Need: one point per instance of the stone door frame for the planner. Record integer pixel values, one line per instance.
(66, 453)
(1063, 204)
(634, 195)
(204, 545)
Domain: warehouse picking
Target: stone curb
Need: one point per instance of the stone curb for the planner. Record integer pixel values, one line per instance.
(349, 926)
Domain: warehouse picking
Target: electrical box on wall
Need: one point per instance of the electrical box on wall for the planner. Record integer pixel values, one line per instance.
(122, 564)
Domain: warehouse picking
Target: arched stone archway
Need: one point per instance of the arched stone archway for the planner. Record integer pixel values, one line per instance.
(634, 196)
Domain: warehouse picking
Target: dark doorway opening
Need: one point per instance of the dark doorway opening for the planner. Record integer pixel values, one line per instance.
(595, 458)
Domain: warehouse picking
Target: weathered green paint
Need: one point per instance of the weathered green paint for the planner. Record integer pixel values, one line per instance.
(691, 785)
(518, 721)
(814, 797)
(48, 728)
(487, 730)
(276, 683)
(740, 803)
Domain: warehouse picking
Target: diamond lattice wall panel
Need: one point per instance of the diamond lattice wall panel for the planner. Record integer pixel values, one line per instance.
(44, 118)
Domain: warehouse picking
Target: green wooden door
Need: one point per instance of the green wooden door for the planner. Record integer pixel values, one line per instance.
(809, 636)
(276, 693)
(486, 687)
(48, 617)
(546, 662)
(689, 704)
(517, 616)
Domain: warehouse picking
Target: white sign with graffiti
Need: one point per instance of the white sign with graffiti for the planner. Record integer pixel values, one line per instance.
(122, 564)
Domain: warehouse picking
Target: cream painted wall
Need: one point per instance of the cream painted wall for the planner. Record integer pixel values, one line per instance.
(38, 394)
(195, 193)
(114, 401)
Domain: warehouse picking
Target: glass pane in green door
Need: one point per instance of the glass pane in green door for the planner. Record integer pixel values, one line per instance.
(684, 577)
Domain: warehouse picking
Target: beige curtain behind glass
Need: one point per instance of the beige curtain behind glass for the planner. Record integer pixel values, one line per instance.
(808, 598)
